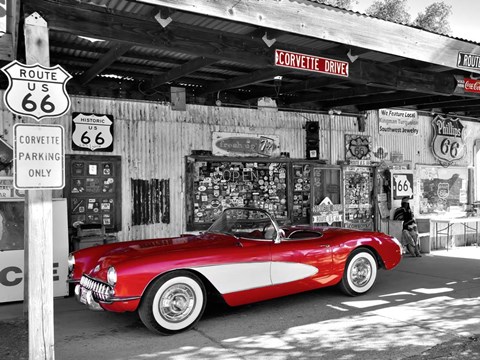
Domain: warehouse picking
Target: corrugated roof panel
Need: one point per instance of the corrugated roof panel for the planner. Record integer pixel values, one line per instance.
(132, 7)
(357, 13)
(213, 23)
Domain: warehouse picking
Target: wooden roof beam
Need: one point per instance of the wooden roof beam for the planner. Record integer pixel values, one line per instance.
(326, 96)
(393, 100)
(309, 84)
(244, 80)
(453, 101)
(104, 62)
(180, 71)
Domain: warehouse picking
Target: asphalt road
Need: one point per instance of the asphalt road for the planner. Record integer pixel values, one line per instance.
(423, 303)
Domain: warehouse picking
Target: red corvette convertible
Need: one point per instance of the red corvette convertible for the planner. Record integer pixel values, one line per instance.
(245, 256)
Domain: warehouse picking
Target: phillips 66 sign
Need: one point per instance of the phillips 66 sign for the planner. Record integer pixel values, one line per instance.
(36, 91)
(448, 144)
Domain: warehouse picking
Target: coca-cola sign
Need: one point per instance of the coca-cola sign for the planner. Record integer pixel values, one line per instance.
(472, 85)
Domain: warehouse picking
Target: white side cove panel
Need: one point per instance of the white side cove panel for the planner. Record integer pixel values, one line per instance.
(283, 272)
(230, 278)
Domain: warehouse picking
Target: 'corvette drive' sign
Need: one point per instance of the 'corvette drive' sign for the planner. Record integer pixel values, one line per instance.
(310, 63)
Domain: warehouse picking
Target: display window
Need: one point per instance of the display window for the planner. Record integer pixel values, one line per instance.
(93, 190)
(218, 184)
(281, 186)
(327, 202)
(359, 194)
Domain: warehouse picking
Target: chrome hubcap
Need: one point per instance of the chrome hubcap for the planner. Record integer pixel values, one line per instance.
(177, 302)
(361, 272)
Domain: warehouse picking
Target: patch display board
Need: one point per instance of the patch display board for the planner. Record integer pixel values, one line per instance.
(358, 194)
(216, 184)
(301, 187)
(441, 188)
(93, 190)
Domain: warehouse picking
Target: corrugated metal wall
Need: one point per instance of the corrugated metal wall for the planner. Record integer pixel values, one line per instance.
(153, 141)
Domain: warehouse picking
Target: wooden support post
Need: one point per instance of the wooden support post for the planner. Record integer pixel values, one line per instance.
(39, 231)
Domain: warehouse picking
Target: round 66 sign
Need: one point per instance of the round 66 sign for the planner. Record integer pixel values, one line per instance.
(39, 156)
(36, 91)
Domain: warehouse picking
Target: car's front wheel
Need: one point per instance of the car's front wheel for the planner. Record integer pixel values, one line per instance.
(173, 303)
(360, 272)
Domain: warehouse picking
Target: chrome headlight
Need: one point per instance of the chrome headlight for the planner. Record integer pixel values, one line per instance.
(112, 276)
(71, 262)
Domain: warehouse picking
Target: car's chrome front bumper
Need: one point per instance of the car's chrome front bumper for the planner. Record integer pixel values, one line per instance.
(85, 296)
(93, 292)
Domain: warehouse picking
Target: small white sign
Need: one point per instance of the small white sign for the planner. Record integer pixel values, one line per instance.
(7, 191)
(92, 131)
(36, 91)
(403, 122)
(39, 157)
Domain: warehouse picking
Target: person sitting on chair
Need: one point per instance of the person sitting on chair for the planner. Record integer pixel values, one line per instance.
(409, 232)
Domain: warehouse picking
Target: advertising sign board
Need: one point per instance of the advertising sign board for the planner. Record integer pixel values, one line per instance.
(393, 121)
(448, 144)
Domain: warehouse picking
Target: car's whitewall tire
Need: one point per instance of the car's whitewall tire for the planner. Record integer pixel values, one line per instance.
(360, 272)
(173, 303)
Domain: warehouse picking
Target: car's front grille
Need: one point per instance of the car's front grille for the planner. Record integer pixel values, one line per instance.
(100, 290)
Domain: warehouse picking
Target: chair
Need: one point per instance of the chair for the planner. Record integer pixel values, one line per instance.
(91, 235)
(423, 226)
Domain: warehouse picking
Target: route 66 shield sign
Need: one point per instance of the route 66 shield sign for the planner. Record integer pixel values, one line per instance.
(443, 190)
(92, 131)
(36, 91)
(448, 144)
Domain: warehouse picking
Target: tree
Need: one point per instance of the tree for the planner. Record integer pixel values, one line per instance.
(435, 18)
(344, 4)
(390, 10)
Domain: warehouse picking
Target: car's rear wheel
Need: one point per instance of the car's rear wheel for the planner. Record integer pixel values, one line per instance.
(360, 272)
(173, 303)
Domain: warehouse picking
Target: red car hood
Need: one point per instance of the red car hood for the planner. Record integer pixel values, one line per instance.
(166, 246)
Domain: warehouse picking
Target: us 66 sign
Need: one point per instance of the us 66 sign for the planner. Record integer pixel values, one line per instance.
(36, 91)
(92, 131)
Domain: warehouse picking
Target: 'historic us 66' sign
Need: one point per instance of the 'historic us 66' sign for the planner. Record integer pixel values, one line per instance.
(36, 91)
(448, 144)
(39, 156)
(91, 131)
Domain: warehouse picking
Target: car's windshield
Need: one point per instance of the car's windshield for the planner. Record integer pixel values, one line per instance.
(246, 223)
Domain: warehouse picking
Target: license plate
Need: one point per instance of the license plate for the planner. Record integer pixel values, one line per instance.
(83, 295)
